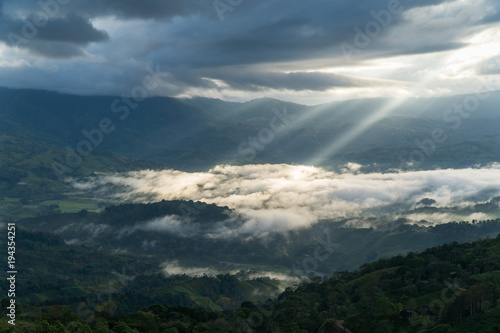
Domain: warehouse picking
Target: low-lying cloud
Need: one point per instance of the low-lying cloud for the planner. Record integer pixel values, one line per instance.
(173, 267)
(171, 224)
(277, 198)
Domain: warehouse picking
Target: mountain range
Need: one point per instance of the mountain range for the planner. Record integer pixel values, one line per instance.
(47, 137)
(83, 177)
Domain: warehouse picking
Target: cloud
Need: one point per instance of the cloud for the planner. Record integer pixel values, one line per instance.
(278, 198)
(145, 9)
(124, 9)
(438, 218)
(71, 28)
(283, 49)
(490, 66)
(85, 231)
(295, 81)
(167, 224)
(58, 37)
(251, 223)
(55, 50)
(173, 267)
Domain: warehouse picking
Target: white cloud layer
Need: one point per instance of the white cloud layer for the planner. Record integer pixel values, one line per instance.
(277, 198)
(173, 267)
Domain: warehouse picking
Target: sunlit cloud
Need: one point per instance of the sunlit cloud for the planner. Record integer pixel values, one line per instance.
(277, 198)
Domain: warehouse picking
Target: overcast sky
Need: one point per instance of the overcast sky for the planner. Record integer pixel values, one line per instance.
(308, 52)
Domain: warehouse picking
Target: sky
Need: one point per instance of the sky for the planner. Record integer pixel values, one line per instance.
(308, 52)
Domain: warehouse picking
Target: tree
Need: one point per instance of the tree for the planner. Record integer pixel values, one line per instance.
(478, 296)
(79, 327)
(123, 328)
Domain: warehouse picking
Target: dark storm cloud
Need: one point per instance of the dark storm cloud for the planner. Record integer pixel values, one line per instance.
(54, 50)
(72, 28)
(60, 37)
(144, 8)
(280, 31)
(281, 44)
(125, 9)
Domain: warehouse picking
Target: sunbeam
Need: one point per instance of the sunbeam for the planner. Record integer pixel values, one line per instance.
(333, 148)
(434, 73)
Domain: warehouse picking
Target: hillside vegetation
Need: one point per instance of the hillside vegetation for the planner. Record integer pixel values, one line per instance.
(47, 137)
(453, 288)
(320, 249)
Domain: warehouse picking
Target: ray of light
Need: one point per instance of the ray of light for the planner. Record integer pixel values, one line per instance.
(434, 73)
(334, 147)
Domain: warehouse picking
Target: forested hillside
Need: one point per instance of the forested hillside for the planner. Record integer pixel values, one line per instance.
(156, 229)
(448, 289)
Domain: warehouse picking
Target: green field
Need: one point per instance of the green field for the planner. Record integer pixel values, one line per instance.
(73, 205)
(13, 209)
